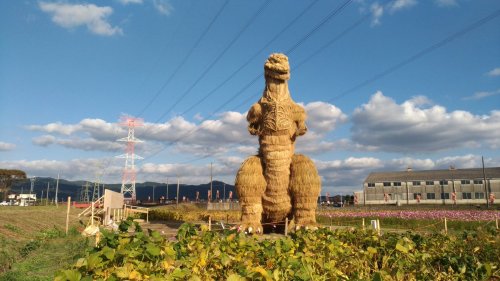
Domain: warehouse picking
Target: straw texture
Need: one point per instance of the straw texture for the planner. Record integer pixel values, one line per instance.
(269, 183)
(305, 185)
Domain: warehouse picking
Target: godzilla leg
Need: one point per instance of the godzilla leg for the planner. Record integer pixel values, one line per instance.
(276, 153)
(250, 186)
(305, 185)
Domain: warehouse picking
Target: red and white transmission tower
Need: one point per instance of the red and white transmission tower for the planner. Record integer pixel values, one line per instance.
(128, 178)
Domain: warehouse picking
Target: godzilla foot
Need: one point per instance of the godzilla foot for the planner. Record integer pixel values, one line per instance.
(251, 228)
(303, 224)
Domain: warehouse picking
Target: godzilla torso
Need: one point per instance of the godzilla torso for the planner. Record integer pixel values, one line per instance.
(277, 117)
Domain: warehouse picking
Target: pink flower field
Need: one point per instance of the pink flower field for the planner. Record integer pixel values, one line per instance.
(459, 215)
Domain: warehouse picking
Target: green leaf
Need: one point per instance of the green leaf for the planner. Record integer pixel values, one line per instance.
(94, 261)
(72, 275)
(235, 277)
(401, 248)
(377, 277)
(108, 253)
(153, 250)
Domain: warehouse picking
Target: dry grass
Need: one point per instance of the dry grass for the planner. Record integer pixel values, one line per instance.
(31, 220)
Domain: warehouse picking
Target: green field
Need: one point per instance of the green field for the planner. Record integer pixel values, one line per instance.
(33, 243)
(33, 246)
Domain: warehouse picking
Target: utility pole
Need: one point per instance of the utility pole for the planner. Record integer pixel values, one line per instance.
(224, 192)
(153, 193)
(211, 191)
(167, 188)
(177, 191)
(486, 195)
(48, 186)
(57, 190)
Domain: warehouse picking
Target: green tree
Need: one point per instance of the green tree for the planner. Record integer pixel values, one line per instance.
(7, 178)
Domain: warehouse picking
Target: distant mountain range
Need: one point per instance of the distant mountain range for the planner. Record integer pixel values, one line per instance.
(143, 190)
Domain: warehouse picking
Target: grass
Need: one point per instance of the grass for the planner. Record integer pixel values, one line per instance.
(33, 244)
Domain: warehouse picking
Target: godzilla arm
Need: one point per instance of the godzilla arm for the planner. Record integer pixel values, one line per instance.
(253, 118)
(300, 119)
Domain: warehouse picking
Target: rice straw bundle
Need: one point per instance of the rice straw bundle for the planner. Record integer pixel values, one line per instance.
(250, 185)
(305, 185)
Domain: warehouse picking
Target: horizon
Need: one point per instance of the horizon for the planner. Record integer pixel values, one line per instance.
(386, 85)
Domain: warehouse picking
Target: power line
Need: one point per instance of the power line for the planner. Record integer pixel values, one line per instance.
(319, 25)
(278, 34)
(416, 56)
(333, 13)
(420, 54)
(221, 54)
(185, 59)
(318, 51)
(165, 48)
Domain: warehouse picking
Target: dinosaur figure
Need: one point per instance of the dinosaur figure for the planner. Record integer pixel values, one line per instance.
(277, 183)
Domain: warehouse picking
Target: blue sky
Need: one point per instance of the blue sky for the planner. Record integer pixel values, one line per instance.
(191, 69)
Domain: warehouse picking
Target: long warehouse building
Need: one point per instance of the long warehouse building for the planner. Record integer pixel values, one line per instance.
(452, 186)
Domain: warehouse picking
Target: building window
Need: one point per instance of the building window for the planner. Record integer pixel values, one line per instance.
(443, 182)
(431, 195)
(465, 182)
(416, 194)
(466, 195)
(429, 183)
(397, 183)
(371, 184)
(387, 183)
(416, 183)
(479, 195)
(478, 181)
(445, 196)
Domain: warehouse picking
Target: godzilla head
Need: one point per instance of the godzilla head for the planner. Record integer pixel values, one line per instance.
(277, 67)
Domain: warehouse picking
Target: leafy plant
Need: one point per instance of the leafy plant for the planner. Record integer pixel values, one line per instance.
(347, 254)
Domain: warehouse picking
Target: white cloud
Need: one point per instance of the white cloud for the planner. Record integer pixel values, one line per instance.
(407, 127)
(446, 3)
(44, 140)
(5, 146)
(74, 15)
(56, 127)
(75, 169)
(126, 2)
(494, 72)
(323, 117)
(215, 136)
(163, 6)
(377, 12)
(401, 4)
(482, 95)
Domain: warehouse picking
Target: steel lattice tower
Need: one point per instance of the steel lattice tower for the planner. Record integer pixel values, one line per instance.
(128, 178)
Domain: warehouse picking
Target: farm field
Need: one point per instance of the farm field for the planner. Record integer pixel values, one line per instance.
(33, 244)
(342, 254)
(34, 247)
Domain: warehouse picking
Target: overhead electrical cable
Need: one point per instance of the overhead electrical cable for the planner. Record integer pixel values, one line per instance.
(221, 54)
(410, 59)
(278, 34)
(420, 54)
(165, 48)
(332, 14)
(186, 58)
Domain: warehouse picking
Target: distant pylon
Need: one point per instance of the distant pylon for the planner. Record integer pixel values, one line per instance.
(129, 175)
(96, 194)
(32, 186)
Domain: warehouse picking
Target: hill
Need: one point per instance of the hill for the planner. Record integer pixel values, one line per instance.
(74, 189)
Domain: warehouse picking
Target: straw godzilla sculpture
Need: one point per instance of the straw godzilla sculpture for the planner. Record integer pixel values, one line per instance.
(277, 183)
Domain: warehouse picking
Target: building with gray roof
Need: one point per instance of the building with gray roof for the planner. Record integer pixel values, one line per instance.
(451, 186)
